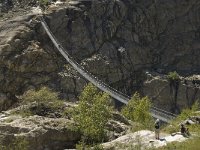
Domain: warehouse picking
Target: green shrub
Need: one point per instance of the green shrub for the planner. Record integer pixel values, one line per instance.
(98, 147)
(92, 114)
(68, 112)
(173, 76)
(46, 100)
(82, 146)
(138, 110)
(42, 95)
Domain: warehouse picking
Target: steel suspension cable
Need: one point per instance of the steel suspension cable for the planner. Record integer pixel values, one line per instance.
(156, 112)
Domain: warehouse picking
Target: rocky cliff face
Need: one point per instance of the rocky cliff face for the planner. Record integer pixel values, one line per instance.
(118, 41)
(154, 34)
(54, 131)
(171, 94)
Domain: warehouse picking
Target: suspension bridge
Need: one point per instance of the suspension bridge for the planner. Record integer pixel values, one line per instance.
(161, 114)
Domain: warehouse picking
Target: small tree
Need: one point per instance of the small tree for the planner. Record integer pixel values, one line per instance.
(138, 110)
(92, 114)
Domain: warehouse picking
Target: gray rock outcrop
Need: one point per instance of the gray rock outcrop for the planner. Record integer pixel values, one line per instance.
(51, 131)
(171, 96)
(40, 132)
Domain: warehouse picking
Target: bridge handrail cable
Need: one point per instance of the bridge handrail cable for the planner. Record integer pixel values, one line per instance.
(80, 68)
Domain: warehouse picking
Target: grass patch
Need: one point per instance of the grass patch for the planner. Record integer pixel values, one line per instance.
(193, 143)
(136, 126)
(185, 114)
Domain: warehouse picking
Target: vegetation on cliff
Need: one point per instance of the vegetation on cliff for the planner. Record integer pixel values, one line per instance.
(138, 110)
(92, 114)
(42, 102)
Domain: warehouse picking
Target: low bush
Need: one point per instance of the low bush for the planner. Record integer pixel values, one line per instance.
(138, 110)
(40, 102)
(173, 76)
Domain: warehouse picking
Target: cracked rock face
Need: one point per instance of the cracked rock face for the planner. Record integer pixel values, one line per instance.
(41, 132)
(124, 38)
(154, 34)
(172, 95)
(115, 40)
(24, 64)
(52, 132)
